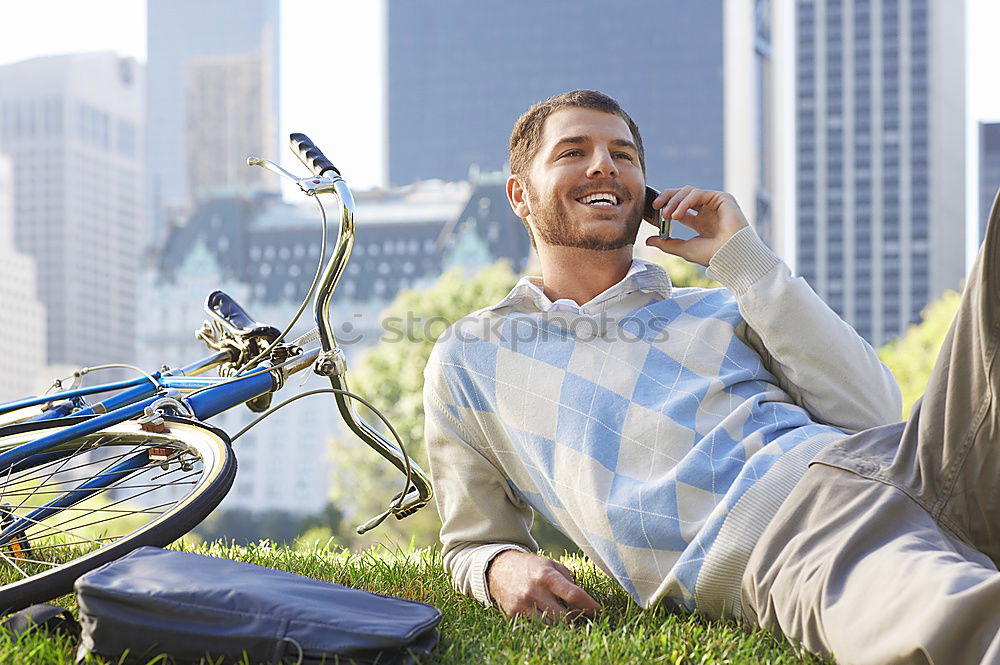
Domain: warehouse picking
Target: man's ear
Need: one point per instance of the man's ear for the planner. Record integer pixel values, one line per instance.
(517, 194)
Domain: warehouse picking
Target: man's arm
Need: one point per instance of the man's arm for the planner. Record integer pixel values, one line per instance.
(817, 358)
(487, 545)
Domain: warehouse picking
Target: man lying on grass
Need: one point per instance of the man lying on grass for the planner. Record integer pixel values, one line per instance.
(726, 451)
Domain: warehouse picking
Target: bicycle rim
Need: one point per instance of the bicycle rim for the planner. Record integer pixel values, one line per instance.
(180, 475)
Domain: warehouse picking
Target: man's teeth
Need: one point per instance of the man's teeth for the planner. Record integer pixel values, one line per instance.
(600, 199)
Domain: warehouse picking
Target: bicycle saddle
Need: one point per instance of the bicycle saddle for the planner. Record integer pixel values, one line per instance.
(235, 320)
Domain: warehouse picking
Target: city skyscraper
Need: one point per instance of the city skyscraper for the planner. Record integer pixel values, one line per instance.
(72, 128)
(880, 152)
(459, 75)
(989, 171)
(756, 49)
(211, 100)
(22, 316)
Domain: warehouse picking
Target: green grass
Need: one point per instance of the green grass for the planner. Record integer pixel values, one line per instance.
(471, 633)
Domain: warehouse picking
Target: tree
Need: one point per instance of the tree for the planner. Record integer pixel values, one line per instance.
(911, 356)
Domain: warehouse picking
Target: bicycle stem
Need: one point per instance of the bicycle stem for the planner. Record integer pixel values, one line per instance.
(331, 275)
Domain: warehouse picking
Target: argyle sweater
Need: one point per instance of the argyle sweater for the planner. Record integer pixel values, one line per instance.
(658, 428)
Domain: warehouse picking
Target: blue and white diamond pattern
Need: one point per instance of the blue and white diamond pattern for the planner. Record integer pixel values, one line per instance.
(637, 450)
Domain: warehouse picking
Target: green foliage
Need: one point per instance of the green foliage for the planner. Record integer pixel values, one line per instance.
(911, 356)
(472, 633)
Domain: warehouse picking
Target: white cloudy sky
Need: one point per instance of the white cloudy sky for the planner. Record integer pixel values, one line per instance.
(346, 30)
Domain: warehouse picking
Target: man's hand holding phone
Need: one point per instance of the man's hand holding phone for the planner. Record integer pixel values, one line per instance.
(714, 216)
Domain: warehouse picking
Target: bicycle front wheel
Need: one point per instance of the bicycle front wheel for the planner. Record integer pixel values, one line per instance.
(96, 498)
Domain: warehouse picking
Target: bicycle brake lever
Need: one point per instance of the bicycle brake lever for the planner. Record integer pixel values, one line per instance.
(373, 522)
(410, 504)
(272, 167)
(319, 184)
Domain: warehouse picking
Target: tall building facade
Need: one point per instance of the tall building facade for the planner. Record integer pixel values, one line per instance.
(460, 74)
(989, 171)
(22, 316)
(880, 116)
(704, 97)
(757, 50)
(72, 128)
(212, 100)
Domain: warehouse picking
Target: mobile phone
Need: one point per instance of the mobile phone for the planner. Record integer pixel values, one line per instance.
(655, 216)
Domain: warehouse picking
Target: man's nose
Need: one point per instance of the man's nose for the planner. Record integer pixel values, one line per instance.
(602, 164)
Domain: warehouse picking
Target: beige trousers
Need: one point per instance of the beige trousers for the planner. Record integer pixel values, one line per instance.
(886, 551)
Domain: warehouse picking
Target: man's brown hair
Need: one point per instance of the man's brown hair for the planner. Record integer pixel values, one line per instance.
(527, 132)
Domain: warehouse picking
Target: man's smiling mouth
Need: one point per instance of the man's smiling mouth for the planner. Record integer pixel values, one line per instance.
(606, 199)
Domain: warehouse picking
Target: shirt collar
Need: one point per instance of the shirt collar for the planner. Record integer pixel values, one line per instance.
(642, 276)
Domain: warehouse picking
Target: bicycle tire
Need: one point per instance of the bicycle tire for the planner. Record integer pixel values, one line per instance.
(46, 562)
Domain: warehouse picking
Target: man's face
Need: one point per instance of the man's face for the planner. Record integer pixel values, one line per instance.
(585, 187)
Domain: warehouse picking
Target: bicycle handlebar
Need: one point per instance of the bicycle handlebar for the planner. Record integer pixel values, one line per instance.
(310, 155)
(419, 491)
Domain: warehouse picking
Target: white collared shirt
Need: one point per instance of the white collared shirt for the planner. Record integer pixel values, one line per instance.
(642, 275)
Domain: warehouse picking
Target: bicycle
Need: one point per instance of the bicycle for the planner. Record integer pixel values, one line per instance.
(85, 482)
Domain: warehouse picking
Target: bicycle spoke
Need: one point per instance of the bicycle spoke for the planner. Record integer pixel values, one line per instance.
(65, 459)
(8, 560)
(22, 480)
(25, 479)
(63, 523)
(4, 489)
(137, 471)
(50, 527)
(38, 561)
(105, 510)
(64, 545)
(152, 510)
(102, 489)
(81, 526)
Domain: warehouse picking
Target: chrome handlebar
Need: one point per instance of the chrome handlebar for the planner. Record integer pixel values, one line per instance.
(418, 492)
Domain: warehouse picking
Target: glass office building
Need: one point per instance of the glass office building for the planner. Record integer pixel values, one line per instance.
(211, 100)
(461, 73)
(71, 126)
(698, 78)
(989, 171)
(880, 142)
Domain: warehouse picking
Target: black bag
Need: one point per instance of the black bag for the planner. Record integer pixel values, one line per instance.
(186, 605)
(44, 618)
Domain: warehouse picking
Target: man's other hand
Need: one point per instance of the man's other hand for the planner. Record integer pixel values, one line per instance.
(524, 584)
(714, 216)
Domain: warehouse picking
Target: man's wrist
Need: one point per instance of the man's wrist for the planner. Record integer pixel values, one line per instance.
(489, 565)
(742, 260)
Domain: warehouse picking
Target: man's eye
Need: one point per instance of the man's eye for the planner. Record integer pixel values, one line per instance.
(624, 155)
(571, 153)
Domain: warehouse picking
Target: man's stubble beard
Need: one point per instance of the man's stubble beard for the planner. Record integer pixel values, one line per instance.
(554, 225)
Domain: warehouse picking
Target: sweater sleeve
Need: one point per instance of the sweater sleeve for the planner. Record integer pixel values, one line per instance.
(480, 515)
(819, 359)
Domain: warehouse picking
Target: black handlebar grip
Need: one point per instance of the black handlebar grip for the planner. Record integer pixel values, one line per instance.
(310, 155)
